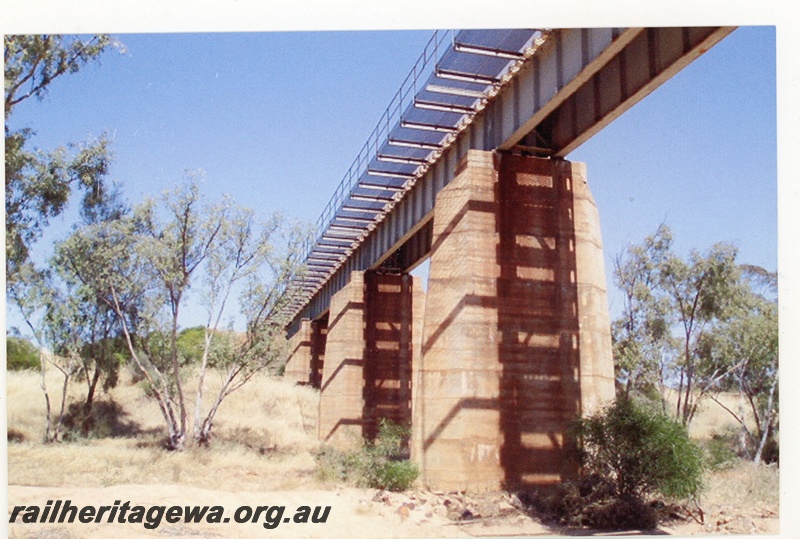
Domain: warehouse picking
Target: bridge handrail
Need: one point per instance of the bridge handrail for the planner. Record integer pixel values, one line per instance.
(422, 67)
(441, 42)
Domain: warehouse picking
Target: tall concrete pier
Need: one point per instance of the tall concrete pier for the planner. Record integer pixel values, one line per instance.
(510, 343)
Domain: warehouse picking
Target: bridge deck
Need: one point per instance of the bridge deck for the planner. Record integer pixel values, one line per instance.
(542, 92)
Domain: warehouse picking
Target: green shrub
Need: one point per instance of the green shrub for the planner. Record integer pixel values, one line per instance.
(21, 354)
(628, 452)
(391, 440)
(642, 451)
(395, 475)
(379, 464)
(191, 342)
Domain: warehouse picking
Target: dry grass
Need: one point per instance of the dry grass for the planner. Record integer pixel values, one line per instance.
(263, 438)
(743, 499)
(714, 419)
(711, 418)
(744, 484)
(26, 402)
(118, 461)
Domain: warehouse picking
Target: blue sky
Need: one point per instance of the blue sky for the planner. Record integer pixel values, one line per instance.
(698, 154)
(275, 119)
(267, 116)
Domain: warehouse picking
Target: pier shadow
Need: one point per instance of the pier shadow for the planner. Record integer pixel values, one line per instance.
(319, 337)
(535, 302)
(537, 311)
(388, 334)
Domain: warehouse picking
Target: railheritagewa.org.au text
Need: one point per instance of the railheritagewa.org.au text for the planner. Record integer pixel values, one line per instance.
(151, 517)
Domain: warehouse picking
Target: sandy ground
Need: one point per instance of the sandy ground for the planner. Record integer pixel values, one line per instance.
(354, 513)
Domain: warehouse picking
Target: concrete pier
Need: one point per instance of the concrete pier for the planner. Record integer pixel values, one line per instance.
(508, 346)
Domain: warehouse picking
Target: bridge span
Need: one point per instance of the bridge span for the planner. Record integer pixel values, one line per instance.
(511, 341)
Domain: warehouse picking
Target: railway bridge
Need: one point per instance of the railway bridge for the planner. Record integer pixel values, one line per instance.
(511, 340)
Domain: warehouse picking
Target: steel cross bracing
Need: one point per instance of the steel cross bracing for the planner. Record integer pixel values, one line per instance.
(454, 78)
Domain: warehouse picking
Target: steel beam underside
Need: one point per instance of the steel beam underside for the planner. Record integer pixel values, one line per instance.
(576, 84)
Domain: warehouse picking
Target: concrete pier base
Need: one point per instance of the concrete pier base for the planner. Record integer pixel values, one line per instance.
(319, 337)
(457, 414)
(306, 353)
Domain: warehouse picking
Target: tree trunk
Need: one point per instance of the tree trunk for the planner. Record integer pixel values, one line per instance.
(767, 422)
(203, 436)
(57, 431)
(178, 439)
(689, 373)
(161, 395)
(200, 430)
(88, 405)
(43, 385)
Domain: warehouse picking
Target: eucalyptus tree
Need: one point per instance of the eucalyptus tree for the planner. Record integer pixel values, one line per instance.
(242, 248)
(63, 329)
(644, 349)
(140, 267)
(30, 293)
(700, 326)
(742, 356)
(701, 291)
(33, 62)
(108, 258)
(176, 237)
(672, 304)
(39, 183)
(266, 261)
(55, 321)
(90, 328)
